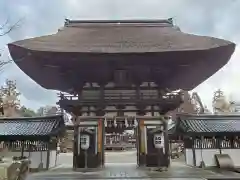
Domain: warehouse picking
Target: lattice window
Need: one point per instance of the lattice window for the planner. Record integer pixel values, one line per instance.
(225, 144)
(205, 143)
(17, 146)
(236, 143)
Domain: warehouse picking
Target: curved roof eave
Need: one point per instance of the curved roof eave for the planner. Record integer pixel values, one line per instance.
(221, 56)
(93, 38)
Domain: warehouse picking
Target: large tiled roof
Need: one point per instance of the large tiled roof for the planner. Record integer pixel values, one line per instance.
(120, 37)
(149, 47)
(209, 124)
(34, 126)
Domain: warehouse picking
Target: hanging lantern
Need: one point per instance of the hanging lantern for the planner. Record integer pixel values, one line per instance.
(135, 122)
(105, 122)
(126, 122)
(115, 122)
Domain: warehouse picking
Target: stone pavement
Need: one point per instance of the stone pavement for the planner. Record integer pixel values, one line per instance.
(117, 171)
(123, 166)
(129, 171)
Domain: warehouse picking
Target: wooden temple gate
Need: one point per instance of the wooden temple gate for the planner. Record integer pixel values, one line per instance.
(93, 156)
(89, 136)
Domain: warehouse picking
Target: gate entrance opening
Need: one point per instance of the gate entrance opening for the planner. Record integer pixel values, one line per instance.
(151, 140)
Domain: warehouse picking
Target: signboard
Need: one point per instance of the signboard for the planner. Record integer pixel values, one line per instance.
(84, 141)
(158, 140)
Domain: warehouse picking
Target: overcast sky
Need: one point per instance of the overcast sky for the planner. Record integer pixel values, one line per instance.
(219, 18)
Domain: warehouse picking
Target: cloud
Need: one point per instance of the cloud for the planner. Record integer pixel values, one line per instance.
(219, 18)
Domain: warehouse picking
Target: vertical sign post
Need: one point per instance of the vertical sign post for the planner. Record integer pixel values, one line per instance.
(85, 143)
(159, 144)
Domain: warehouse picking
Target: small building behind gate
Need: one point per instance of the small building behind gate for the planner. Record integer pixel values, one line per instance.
(207, 137)
(34, 138)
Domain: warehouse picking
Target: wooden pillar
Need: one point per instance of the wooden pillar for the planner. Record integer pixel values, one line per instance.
(76, 122)
(76, 113)
(141, 134)
(120, 110)
(22, 148)
(75, 142)
(48, 144)
(193, 150)
(159, 97)
(152, 110)
(101, 128)
(102, 97)
(101, 136)
(138, 90)
(219, 141)
(100, 139)
(166, 140)
(141, 106)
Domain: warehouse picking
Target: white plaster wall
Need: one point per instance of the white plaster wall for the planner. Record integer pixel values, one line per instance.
(36, 158)
(189, 157)
(207, 156)
(53, 159)
(234, 154)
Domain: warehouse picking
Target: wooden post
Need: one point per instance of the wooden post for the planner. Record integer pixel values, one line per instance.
(166, 141)
(100, 139)
(75, 142)
(22, 148)
(48, 153)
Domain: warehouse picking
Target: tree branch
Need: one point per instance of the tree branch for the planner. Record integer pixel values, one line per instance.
(5, 30)
(4, 24)
(3, 63)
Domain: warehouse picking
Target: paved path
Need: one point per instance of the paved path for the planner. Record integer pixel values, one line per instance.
(122, 165)
(125, 172)
(129, 157)
(111, 158)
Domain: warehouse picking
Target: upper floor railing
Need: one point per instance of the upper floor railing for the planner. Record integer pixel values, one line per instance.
(120, 95)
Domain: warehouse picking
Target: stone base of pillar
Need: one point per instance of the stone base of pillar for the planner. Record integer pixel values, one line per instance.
(154, 160)
(142, 160)
(93, 161)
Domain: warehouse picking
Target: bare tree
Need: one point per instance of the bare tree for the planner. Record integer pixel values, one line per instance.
(5, 29)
